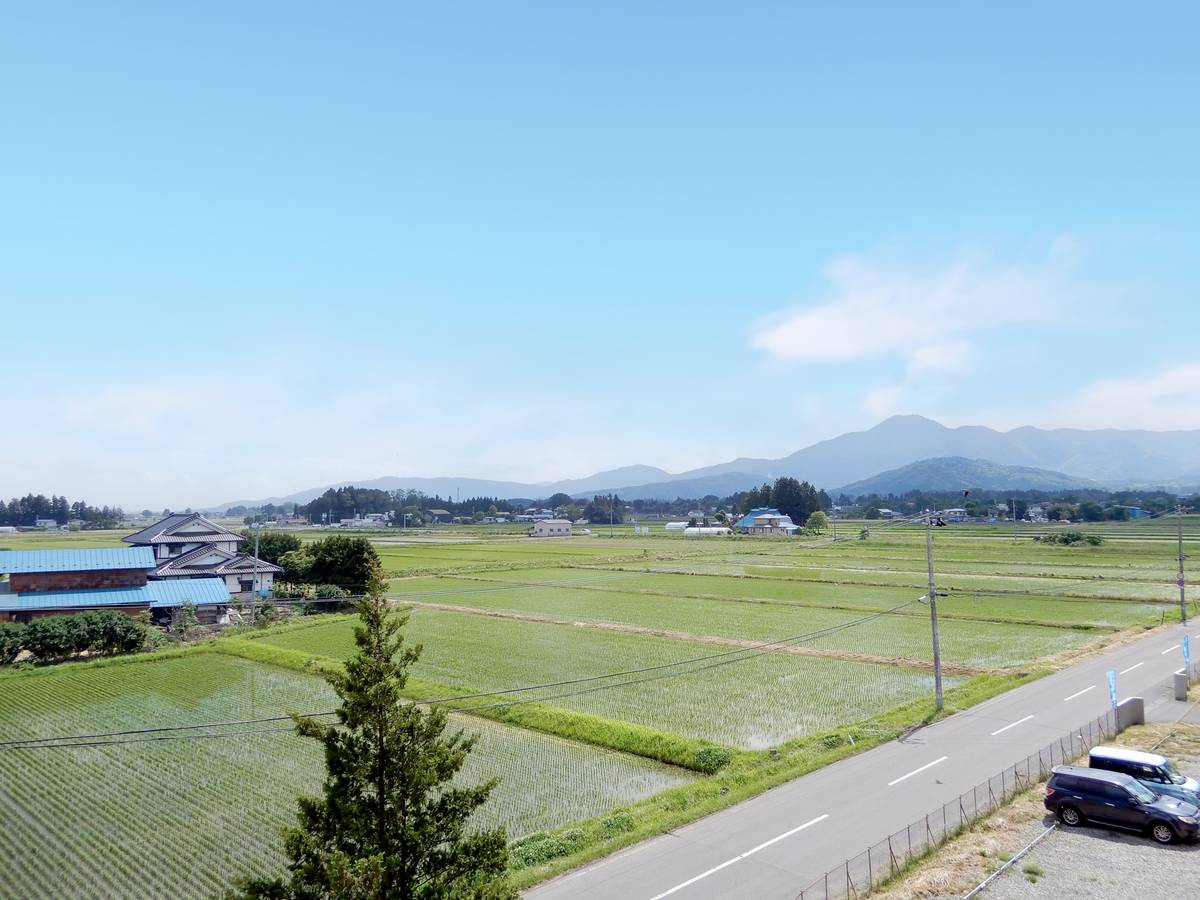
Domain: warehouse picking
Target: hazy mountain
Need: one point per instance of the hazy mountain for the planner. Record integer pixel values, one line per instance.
(1112, 457)
(953, 473)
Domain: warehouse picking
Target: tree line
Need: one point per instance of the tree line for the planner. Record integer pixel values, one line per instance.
(795, 499)
(25, 511)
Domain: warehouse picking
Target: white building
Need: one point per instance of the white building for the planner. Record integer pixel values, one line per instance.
(187, 545)
(550, 528)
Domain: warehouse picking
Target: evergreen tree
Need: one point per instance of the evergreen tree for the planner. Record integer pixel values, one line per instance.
(389, 824)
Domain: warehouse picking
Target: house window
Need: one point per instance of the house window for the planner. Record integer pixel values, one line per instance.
(247, 584)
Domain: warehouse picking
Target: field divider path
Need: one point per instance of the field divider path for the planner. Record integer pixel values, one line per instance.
(619, 588)
(799, 650)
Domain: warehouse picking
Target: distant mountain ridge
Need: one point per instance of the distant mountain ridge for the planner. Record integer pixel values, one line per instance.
(953, 473)
(1111, 457)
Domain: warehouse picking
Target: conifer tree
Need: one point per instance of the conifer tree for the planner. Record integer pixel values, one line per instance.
(389, 824)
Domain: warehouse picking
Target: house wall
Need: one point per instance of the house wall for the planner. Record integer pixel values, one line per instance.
(22, 582)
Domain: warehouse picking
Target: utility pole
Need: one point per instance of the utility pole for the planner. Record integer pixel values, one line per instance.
(1182, 580)
(933, 620)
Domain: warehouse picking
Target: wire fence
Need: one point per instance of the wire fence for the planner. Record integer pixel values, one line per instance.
(858, 875)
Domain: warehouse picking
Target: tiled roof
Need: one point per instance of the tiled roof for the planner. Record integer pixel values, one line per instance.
(232, 562)
(163, 531)
(200, 591)
(101, 559)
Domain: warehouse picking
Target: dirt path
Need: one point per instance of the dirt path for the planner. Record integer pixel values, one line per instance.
(948, 668)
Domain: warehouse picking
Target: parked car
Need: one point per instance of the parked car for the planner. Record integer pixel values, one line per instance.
(1152, 769)
(1077, 794)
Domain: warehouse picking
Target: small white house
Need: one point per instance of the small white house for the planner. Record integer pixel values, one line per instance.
(550, 528)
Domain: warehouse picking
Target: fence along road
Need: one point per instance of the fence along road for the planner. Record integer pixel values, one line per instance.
(773, 845)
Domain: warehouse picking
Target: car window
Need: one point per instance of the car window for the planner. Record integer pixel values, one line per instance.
(1149, 773)
(1142, 792)
(1066, 783)
(1114, 794)
(1173, 773)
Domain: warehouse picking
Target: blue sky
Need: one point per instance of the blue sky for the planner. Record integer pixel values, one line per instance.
(245, 249)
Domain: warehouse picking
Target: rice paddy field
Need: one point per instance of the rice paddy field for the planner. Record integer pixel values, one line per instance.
(633, 649)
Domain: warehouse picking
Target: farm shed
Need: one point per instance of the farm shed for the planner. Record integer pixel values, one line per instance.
(550, 528)
(208, 595)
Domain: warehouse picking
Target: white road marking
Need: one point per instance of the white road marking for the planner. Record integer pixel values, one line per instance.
(1131, 668)
(1013, 725)
(918, 771)
(730, 862)
(1169, 649)
(1079, 693)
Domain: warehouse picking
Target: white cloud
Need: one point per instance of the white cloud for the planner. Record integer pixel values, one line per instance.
(1166, 400)
(874, 310)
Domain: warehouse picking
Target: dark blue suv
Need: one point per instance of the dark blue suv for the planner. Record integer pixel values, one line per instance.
(1076, 794)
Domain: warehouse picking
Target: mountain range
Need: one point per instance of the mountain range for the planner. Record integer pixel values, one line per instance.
(1110, 457)
(953, 473)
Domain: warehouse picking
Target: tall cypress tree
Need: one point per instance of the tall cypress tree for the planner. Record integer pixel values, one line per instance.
(389, 823)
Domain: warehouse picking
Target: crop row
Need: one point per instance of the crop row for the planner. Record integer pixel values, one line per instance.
(156, 819)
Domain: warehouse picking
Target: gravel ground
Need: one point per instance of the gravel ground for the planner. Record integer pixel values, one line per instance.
(1094, 862)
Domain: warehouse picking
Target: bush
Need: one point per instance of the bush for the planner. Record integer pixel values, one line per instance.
(710, 759)
(542, 846)
(51, 637)
(12, 642)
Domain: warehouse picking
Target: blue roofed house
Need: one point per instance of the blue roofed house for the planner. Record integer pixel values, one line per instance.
(58, 582)
(765, 520)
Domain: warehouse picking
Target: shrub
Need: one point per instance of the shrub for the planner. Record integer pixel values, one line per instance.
(542, 846)
(51, 637)
(12, 641)
(710, 759)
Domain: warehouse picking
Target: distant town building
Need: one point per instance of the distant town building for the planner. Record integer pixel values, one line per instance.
(550, 528)
(955, 515)
(58, 582)
(187, 545)
(438, 516)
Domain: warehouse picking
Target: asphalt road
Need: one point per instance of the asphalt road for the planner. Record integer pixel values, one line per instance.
(774, 844)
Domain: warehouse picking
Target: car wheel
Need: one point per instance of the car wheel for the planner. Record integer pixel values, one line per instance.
(1070, 815)
(1162, 832)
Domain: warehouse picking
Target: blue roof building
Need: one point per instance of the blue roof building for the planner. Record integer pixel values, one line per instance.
(765, 520)
(107, 559)
(152, 595)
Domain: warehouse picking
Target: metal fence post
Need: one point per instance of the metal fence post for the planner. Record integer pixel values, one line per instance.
(870, 871)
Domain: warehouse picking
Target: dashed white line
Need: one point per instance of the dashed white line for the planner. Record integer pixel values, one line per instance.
(1079, 693)
(1012, 725)
(1131, 668)
(1170, 649)
(918, 771)
(730, 862)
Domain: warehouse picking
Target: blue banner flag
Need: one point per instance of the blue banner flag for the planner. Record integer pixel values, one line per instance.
(1112, 687)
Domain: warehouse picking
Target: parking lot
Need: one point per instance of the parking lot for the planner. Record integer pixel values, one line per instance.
(1100, 863)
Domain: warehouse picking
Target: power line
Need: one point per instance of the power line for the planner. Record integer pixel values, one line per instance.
(727, 657)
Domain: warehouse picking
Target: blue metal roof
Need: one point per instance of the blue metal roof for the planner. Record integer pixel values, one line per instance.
(104, 558)
(747, 521)
(200, 591)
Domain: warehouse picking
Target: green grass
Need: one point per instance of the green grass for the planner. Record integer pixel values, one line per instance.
(183, 818)
(751, 703)
(1067, 612)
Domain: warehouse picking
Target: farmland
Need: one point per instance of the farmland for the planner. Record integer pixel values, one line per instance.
(155, 819)
(847, 661)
